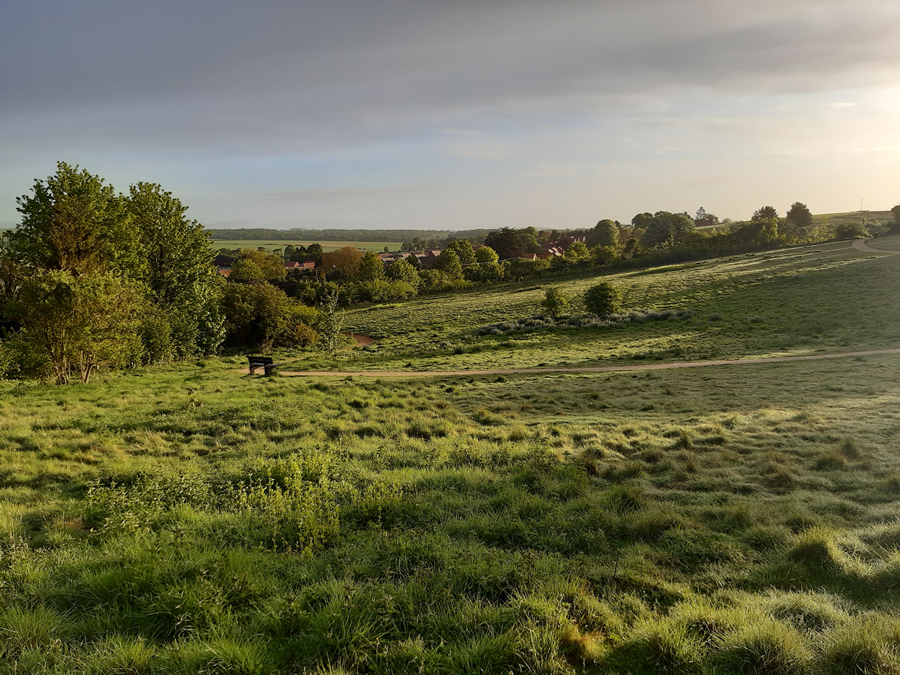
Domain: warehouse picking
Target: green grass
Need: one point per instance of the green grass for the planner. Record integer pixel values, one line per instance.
(767, 304)
(269, 245)
(190, 518)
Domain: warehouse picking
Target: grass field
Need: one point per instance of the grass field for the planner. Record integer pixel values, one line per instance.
(836, 219)
(269, 245)
(190, 518)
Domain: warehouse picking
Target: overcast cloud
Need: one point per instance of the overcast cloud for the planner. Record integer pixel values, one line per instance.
(429, 114)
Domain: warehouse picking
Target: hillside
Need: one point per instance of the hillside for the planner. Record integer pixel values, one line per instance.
(189, 518)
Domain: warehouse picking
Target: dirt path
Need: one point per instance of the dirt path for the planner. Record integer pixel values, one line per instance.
(584, 369)
(861, 245)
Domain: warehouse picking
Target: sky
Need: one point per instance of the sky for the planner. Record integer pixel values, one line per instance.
(449, 115)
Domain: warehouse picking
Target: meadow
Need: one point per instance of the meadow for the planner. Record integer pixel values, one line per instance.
(734, 519)
(269, 245)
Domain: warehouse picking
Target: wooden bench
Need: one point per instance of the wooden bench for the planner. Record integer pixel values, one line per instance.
(264, 362)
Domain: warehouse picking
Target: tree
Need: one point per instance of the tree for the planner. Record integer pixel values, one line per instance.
(705, 219)
(330, 323)
(370, 267)
(603, 299)
(344, 261)
(463, 250)
(510, 243)
(486, 254)
(74, 221)
(260, 314)
(245, 270)
(667, 228)
(448, 263)
(489, 267)
(641, 220)
(79, 323)
(605, 233)
(403, 271)
(178, 270)
(271, 265)
(555, 302)
(799, 215)
(577, 252)
(764, 213)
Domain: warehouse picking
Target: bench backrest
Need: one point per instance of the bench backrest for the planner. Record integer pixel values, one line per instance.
(260, 360)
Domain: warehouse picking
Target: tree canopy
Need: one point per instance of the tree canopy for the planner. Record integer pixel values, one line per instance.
(605, 233)
(764, 213)
(799, 215)
(667, 228)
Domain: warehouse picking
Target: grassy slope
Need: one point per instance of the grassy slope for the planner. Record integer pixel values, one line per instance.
(190, 518)
(765, 304)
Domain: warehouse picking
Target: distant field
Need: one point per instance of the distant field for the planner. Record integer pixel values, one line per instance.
(854, 216)
(270, 245)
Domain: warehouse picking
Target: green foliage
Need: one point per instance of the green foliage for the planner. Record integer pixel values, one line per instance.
(577, 252)
(246, 270)
(510, 243)
(270, 266)
(74, 221)
(666, 228)
(799, 215)
(79, 323)
(449, 264)
(852, 231)
(555, 302)
(260, 314)
(404, 272)
(370, 268)
(330, 324)
(463, 250)
(764, 213)
(605, 233)
(603, 299)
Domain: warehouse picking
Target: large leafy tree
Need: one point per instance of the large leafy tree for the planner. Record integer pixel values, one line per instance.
(75, 221)
(667, 229)
(345, 261)
(489, 267)
(177, 253)
(510, 243)
(403, 271)
(799, 215)
(370, 267)
(448, 263)
(177, 268)
(605, 233)
(271, 265)
(79, 323)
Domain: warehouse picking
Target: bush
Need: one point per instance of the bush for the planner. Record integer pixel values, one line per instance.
(852, 231)
(603, 299)
(555, 302)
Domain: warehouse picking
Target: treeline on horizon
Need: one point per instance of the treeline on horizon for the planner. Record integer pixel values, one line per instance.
(306, 234)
